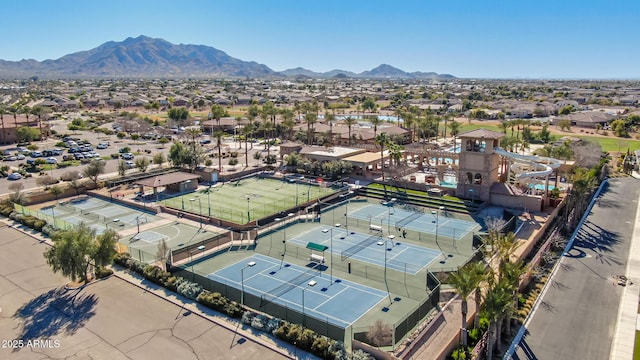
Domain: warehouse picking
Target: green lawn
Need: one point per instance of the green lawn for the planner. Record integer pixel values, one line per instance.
(249, 200)
(636, 347)
(609, 144)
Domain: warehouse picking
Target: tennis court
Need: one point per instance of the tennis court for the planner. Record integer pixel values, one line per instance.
(248, 199)
(308, 291)
(98, 214)
(371, 248)
(397, 217)
(176, 235)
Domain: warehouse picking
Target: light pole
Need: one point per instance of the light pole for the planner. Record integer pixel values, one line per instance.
(390, 238)
(248, 212)
(199, 248)
(200, 209)
(309, 284)
(249, 264)
(435, 213)
(209, 200)
(297, 193)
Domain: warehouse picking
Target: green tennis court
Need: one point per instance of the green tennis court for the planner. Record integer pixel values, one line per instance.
(249, 199)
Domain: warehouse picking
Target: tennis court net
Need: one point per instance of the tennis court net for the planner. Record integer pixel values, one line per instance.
(359, 246)
(408, 219)
(284, 288)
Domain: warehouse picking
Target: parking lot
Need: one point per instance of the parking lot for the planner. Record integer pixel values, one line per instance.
(139, 149)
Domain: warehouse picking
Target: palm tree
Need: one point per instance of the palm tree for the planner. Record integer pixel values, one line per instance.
(14, 110)
(3, 112)
(455, 128)
(39, 111)
(465, 281)
(375, 122)
(310, 118)
(330, 118)
(288, 121)
(267, 128)
(218, 135)
(217, 112)
(504, 125)
(382, 140)
(497, 300)
(246, 132)
(350, 122)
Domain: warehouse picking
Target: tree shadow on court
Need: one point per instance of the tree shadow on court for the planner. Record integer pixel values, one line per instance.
(58, 311)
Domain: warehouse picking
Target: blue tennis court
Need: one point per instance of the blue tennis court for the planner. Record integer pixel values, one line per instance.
(422, 222)
(371, 248)
(340, 302)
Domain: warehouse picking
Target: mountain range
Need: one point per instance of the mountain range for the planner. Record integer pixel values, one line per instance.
(146, 57)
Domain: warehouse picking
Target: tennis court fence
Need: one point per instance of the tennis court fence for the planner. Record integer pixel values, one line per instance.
(233, 291)
(56, 221)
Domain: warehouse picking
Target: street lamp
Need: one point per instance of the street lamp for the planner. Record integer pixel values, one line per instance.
(248, 212)
(209, 199)
(200, 209)
(249, 264)
(435, 213)
(199, 248)
(390, 238)
(309, 284)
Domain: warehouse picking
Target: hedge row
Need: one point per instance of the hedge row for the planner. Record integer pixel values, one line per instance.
(305, 339)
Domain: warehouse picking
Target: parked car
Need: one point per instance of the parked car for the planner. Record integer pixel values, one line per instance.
(129, 164)
(103, 145)
(14, 176)
(52, 160)
(36, 154)
(20, 157)
(11, 158)
(127, 156)
(78, 156)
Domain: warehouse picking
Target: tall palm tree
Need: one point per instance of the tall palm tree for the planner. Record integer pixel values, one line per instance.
(329, 118)
(247, 129)
(3, 112)
(350, 122)
(288, 121)
(310, 118)
(465, 281)
(217, 112)
(15, 110)
(497, 300)
(39, 111)
(454, 126)
(382, 139)
(267, 128)
(375, 122)
(218, 135)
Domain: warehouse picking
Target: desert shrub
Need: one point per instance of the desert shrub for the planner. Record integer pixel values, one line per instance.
(156, 274)
(121, 259)
(247, 317)
(361, 355)
(103, 272)
(28, 221)
(272, 325)
(321, 346)
(188, 289)
(233, 309)
(39, 224)
(170, 283)
(259, 322)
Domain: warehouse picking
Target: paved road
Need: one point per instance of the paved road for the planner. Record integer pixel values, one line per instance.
(577, 315)
(110, 319)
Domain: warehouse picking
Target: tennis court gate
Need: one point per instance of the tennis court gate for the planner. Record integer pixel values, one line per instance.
(320, 326)
(405, 325)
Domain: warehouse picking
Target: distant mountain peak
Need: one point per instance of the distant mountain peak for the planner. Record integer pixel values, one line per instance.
(147, 57)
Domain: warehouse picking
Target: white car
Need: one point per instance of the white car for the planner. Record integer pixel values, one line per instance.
(52, 160)
(129, 164)
(14, 176)
(127, 156)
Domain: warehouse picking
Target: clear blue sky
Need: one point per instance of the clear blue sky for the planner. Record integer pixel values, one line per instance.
(466, 38)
